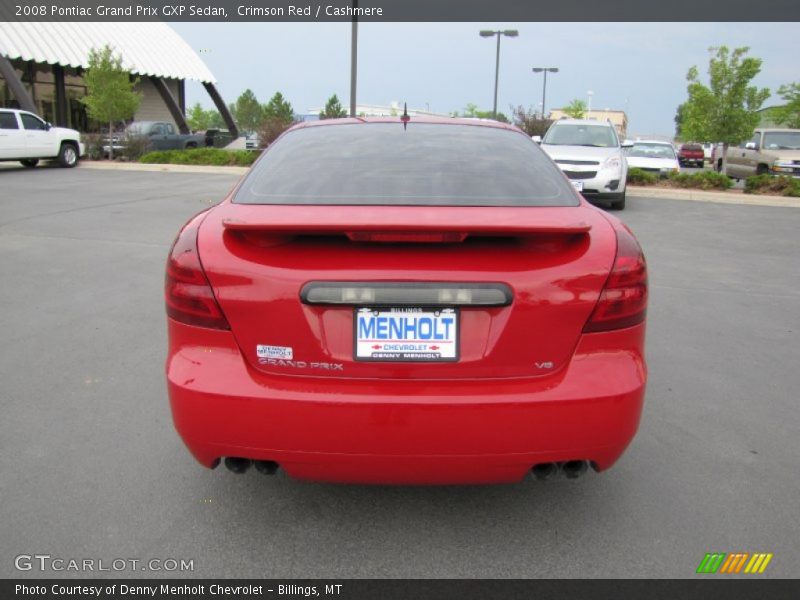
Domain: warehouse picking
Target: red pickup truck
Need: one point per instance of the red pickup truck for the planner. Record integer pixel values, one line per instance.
(691, 154)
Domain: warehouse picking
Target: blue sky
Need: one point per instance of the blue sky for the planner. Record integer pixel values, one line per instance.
(637, 67)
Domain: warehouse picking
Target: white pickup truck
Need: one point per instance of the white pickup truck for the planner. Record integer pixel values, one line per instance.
(26, 138)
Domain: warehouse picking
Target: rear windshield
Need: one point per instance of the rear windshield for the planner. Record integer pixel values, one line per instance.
(651, 151)
(423, 164)
(581, 134)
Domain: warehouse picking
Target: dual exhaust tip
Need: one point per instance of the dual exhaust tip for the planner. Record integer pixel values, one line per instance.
(572, 469)
(238, 465)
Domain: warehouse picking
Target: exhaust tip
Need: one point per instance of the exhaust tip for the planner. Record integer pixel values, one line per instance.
(574, 468)
(545, 471)
(237, 465)
(266, 467)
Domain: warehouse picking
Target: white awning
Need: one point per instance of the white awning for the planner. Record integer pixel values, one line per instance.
(152, 48)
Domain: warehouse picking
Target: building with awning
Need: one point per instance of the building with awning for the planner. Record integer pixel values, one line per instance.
(42, 65)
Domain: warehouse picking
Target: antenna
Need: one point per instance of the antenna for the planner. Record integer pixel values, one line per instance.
(405, 118)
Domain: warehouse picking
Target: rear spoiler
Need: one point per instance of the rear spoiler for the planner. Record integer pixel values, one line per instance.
(367, 223)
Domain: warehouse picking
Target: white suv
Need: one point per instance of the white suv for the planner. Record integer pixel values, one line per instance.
(591, 156)
(28, 139)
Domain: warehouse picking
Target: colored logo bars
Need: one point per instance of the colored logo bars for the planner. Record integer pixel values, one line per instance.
(737, 562)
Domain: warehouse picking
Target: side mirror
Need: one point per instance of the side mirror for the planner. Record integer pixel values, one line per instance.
(627, 144)
(537, 138)
(751, 146)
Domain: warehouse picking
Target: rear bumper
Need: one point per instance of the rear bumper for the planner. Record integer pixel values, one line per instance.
(405, 432)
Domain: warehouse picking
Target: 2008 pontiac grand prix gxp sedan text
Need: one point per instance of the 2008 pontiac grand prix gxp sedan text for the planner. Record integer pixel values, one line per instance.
(395, 301)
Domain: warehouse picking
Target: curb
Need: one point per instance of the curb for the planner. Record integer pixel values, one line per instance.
(734, 197)
(165, 168)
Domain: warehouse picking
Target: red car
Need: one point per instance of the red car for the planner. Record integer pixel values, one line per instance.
(407, 302)
(691, 154)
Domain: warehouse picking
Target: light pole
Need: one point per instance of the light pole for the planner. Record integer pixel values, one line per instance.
(544, 70)
(353, 59)
(590, 93)
(498, 33)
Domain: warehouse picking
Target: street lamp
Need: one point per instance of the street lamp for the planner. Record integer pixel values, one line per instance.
(544, 70)
(589, 93)
(498, 33)
(353, 59)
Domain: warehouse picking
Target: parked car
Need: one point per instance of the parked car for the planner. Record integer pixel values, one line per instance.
(768, 151)
(708, 150)
(591, 156)
(436, 304)
(691, 155)
(653, 156)
(27, 138)
(251, 140)
(160, 135)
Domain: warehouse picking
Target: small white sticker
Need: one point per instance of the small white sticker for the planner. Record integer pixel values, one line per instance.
(284, 352)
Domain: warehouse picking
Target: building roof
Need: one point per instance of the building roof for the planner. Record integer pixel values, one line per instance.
(147, 48)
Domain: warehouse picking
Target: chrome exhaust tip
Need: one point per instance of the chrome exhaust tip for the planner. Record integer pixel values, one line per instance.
(544, 471)
(266, 467)
(237, 465)
(574, 468)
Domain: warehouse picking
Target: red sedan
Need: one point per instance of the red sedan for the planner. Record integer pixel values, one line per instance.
(410, 302)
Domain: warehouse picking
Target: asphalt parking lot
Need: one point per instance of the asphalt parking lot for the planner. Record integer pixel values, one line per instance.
(92, 468)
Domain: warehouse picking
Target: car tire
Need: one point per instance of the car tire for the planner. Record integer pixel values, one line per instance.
(68, 155)
(191, 145)
(29, 162)
(619, 203)
(762, 170)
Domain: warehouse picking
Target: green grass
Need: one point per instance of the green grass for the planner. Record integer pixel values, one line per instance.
(638, 177)
(216, 157)
(770, 184)
(704, 180)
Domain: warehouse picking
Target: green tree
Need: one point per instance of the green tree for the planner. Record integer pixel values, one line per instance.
(110, 91)
(471, 111)
(576, 109)
(200, 119)
(197, 117)
(333, 109)
(789, 113)
(680, 115)
(725, 110)
(279, 109)
(247, 111)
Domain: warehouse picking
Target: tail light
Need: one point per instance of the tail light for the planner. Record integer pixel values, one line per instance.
(187, 291)
(623, 301)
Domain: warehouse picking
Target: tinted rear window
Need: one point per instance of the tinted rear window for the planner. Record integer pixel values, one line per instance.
(425, 164)
(8, 121)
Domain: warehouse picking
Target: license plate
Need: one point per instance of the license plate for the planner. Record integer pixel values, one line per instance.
(578, 185)
(406, 334)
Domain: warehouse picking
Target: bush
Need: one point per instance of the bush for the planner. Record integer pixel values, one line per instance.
(638, 177)
(94, 145)
(134, 146)
(202, 156)
(270, 129)
(770, 184)
(705, 180)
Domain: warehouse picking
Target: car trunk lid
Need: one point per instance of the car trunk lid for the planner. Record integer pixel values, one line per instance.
(551, 261)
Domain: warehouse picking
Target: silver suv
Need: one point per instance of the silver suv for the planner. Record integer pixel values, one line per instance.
(590, 154)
